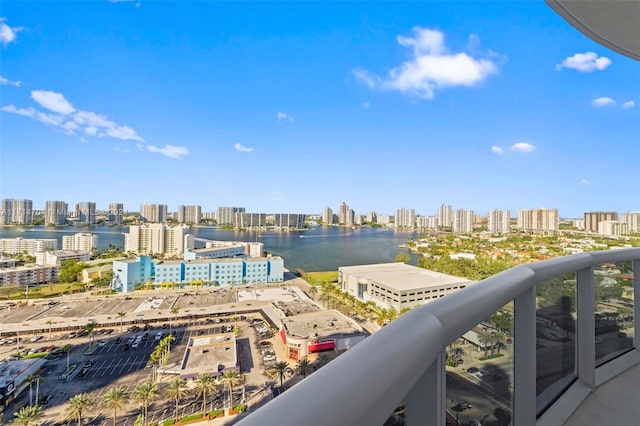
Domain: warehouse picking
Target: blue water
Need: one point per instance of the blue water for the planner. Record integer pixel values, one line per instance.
(318, 249)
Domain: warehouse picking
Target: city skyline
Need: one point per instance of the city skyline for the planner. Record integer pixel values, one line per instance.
(479, 106)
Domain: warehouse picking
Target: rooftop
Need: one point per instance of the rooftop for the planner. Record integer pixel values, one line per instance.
(320, 324)
(401, 276)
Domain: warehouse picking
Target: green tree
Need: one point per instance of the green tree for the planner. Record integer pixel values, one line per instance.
(121, 316)
(69, 270)
(89, 328)
(304, 367)
(231, 378)
(403, 257)
(204, 385)
(27, 415)
(177, 390)
(114, 399)
(278, 371)
(485, 339)
(144, 394)
(79, 405)
(323, 359)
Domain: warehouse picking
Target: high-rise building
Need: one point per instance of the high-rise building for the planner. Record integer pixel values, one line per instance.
(291, 221)
(16, 212)
(55, 213)
(227, 215)
(592, 219)
(372, 217)
(156, 238)
(538, 220)
(405, 218)
(499, 221)
(344, 213)
(462, 221)
(613, 227)
(189, 214)
(153, 213)
(85, 213)
(116, 213)
(445, 216)
(327, 216)
(250, 220)
(427, 222)
(29, 245)
(80, 241)
(633, 220)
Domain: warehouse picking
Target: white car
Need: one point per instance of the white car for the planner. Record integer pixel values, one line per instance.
(102, 343)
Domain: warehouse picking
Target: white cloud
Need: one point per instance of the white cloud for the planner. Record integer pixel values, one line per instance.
(284, 117)
(431, 67)
(585, 182)
(629, 104)
(171, 151)
(366, 105)
(522, 147)
(123, 150)
(7, 33)
(52, 101)
(602, 102)
(585, 62)
(71, 120)
(497, 150)
(241, 148)
(6, 82)
(140, 146)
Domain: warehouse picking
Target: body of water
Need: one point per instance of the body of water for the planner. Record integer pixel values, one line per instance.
(318, 249)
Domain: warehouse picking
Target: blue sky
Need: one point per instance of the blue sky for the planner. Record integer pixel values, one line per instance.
(292, 107)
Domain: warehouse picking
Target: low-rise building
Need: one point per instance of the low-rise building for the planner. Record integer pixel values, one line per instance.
(397, 285)
(56, 257)
(28, 275)
(28, 245)
(13, 376)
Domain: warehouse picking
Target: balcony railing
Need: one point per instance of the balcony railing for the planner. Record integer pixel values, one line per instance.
(404, 363)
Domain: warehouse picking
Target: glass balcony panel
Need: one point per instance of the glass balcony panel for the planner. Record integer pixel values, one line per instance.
(614, 320)
(555, 338)
(480, 372)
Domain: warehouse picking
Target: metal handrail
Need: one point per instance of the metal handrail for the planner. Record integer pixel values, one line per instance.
(367, 383)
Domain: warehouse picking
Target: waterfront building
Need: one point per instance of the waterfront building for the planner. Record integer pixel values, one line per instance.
(327, 216)
(633, 220)
(427, 222)
(226, 272)
(372, 217)
(397, 285)
(27, 245)
(385, 219)
(189, 214)
(445, 216)
(290, 221)
(219, 249)
(209, 215)
(116, 213)
(462, 221)
(155, 213)
(156, 238)
(405, 218)
(227, 215)
(250, 220)
(593, 219)
(85, 213)
(55, 213)
(546, 220)
(499, 221)
(56, 257)
(16, 212)
(80, 241)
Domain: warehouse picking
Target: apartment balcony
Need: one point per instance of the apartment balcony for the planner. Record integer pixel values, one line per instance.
(569, 355)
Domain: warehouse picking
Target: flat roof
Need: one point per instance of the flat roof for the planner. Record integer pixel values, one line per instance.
(320, 324)
(402, 277)
(209, 354)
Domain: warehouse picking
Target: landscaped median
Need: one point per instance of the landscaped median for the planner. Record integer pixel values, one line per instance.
(92, 348)
(200, 417)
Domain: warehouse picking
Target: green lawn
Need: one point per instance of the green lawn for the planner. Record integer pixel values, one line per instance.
(327, 276)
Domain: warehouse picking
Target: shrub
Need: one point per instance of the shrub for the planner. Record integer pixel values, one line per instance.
(240, 408)
(191, 417)
(215, 413)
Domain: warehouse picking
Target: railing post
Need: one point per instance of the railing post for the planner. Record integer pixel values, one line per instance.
(636, 303)
(524, 358)
(586, 327)
(425, 404)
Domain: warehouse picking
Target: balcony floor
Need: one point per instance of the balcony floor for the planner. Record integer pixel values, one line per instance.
(613, 403)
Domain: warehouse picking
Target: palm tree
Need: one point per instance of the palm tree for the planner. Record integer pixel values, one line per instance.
(121, 315)
(177, 390)
(89, 328)
(485, 338)
(79, 404)
(323, 359)
(174, 311)
(28, 414)
(114, 399)
(144, 394)
(30, 378)
(304, 367)
(204, 385)
(278, 371)
(499, 339)
(231, 378)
